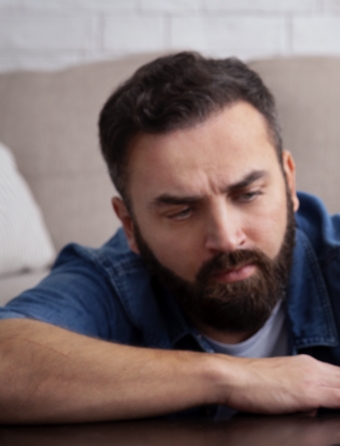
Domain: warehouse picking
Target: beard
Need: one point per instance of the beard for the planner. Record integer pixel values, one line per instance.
(235, 307)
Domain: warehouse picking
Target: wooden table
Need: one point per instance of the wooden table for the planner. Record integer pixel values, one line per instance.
(241, 430)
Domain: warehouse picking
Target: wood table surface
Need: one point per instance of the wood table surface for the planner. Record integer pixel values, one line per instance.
(292, 430)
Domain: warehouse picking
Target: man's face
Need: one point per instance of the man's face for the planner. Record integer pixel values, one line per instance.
(207, 193)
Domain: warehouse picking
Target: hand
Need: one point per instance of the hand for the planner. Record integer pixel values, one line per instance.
(281, 385)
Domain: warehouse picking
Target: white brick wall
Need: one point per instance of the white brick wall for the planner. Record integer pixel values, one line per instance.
(316, 35)
(133, 33)
(263, 6)
(229, 35)
(55, 33)
(48, 32)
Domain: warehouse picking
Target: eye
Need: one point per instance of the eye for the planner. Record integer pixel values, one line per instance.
(246, 197)
(180, 215)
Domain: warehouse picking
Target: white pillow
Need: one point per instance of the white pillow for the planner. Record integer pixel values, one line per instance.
(24, 240)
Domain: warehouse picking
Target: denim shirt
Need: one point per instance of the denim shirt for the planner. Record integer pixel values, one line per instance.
(108, 293)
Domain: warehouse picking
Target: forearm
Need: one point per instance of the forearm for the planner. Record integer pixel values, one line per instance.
(52, 375)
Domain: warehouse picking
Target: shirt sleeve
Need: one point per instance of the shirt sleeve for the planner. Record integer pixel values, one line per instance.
(78, 296)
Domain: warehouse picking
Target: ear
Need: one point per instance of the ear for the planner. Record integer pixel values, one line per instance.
(124, 216)
(289, 169)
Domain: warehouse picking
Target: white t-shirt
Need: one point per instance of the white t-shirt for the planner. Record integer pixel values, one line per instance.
(270, 340)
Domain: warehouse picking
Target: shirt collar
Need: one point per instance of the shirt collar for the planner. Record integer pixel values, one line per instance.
(308, 304)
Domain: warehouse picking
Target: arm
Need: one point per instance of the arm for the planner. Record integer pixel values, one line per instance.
(48, 374)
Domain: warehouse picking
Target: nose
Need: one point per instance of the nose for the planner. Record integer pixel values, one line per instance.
(224, 231)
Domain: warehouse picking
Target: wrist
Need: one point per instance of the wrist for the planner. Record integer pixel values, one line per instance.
(220, 377)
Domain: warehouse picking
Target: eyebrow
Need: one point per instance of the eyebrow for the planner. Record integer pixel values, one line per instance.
(168, 199)
(247, 180)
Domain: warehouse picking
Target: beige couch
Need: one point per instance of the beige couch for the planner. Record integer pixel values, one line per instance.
(49, 120)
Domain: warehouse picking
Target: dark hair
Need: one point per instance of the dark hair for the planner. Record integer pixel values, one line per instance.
(175, 92)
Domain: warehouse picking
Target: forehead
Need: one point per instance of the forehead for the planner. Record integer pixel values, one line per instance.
(223, 148)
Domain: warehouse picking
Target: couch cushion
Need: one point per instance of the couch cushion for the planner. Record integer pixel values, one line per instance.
(24, 241)
(49, 119)
(307, 91)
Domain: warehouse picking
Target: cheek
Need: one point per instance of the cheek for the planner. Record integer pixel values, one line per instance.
(268, 229)
(179, 250)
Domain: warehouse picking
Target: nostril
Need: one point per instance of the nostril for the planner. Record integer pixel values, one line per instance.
(225, 240)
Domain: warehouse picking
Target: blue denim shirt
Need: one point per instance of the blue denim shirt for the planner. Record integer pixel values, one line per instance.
(108, 293)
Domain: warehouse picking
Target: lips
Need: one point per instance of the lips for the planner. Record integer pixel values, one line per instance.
(240, 272)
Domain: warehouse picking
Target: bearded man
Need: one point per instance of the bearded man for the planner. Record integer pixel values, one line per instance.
(213, 257)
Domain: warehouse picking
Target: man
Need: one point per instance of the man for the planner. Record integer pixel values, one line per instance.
(210, 260)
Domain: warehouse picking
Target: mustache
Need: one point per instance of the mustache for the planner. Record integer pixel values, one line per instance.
(233, 260)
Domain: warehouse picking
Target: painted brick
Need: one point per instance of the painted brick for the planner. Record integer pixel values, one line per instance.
(78, 5)
(315, 35)
(10, 3)
(174, 6)
(42, 61)
(47, 32)
(333, 6)
(54, 33)
(133, 33)
(229, 34)
(262, 5)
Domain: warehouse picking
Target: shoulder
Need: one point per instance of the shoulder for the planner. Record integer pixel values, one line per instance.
(114, 257)
(321, 228)
(88, 291)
